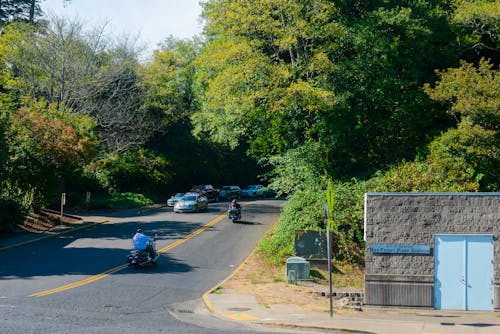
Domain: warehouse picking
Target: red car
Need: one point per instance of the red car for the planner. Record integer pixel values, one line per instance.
(208, 191)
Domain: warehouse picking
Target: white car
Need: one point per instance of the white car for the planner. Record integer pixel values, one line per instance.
(174, 199)
(191, 202)
(254, 190)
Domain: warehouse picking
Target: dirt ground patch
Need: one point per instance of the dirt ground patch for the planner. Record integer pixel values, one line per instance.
(269, 284)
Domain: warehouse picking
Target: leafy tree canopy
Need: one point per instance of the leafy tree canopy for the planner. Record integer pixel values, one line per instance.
(168, 80)
(81, 70)
(478, 26)
(264, 72)
(45, 143)
(472, 92)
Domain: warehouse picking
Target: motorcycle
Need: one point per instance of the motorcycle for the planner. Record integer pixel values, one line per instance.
(234, 214)
(141, 258)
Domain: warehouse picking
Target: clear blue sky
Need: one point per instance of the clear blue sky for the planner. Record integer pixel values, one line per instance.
(153, 20)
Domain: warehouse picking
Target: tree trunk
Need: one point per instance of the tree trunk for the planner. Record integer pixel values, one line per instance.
(32, 11)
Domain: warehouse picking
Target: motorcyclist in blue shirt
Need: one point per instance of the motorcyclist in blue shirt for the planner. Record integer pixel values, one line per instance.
(141, 241)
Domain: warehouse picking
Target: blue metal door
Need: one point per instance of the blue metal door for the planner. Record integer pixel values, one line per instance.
(449, 257)
(463, 272)
(479, 272)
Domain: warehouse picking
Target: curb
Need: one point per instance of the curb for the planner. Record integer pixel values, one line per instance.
(314, 327)
(207, 302)
(150, 208)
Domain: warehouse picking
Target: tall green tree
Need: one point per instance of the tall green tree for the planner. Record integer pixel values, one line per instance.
(277, 73)
(473, 96)
(263, 76)
(477, 25)
(167, 80)
(168, 83)
(84, 72)
(391, 50)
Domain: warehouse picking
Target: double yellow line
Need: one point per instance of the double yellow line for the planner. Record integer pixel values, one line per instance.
(79, 283)
(105, 274)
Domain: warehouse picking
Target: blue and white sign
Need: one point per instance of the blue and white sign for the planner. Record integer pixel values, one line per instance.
(400, 249)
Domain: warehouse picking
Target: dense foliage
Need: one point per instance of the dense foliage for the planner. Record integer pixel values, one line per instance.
(349, 96)
(343, 89)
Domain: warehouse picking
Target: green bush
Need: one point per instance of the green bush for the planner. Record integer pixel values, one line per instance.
(303, 210)
(119, 201)
(137, 170)
(11, 213)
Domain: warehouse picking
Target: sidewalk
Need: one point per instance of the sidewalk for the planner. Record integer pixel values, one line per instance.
(245, 308)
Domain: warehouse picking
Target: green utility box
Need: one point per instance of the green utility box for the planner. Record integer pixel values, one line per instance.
(297, 269)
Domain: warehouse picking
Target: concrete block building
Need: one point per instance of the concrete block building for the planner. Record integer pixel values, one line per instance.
(433, 250)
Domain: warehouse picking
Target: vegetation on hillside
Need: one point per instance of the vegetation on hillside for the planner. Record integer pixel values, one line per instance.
(360, 95)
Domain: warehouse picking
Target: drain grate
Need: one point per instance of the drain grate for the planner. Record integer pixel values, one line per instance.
(190, 307)
(185, 311)
(239, 309)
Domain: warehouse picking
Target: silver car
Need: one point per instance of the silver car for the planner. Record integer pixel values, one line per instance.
(191, 202)
(174, 199)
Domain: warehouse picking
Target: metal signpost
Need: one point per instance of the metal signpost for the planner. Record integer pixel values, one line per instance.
(329, 251)
(87, 200)
(63, 202)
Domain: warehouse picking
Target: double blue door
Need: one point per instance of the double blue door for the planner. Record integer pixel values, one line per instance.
(463, 272)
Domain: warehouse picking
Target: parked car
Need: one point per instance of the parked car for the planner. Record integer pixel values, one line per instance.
(191, 202)
(174, 199)
(271, 192)
(206, 190)
(230, 192)
(254, 190)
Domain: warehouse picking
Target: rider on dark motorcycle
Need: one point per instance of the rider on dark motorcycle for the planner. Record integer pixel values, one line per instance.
(142, 242)
(234, 205)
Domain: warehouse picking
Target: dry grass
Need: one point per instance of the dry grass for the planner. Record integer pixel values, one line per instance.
(269, 285)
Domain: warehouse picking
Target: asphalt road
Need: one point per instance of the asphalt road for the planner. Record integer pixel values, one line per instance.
(78, 283)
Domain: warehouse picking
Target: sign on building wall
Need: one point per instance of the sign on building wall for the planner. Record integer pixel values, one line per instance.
(400, 249)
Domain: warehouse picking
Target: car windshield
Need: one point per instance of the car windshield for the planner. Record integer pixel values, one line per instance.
(226, 188)
(179, 195)
(189, 198)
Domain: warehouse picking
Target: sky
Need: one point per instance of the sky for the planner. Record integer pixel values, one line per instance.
(153, 20)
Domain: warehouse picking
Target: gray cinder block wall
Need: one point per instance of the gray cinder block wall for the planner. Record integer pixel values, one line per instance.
(414, 219)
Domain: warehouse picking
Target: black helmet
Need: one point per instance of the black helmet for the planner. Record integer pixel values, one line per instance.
(234, 200)
(139, 230)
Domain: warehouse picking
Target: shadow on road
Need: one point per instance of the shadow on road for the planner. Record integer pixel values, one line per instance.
(98, 249)
(70, 254)
(246, 222)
